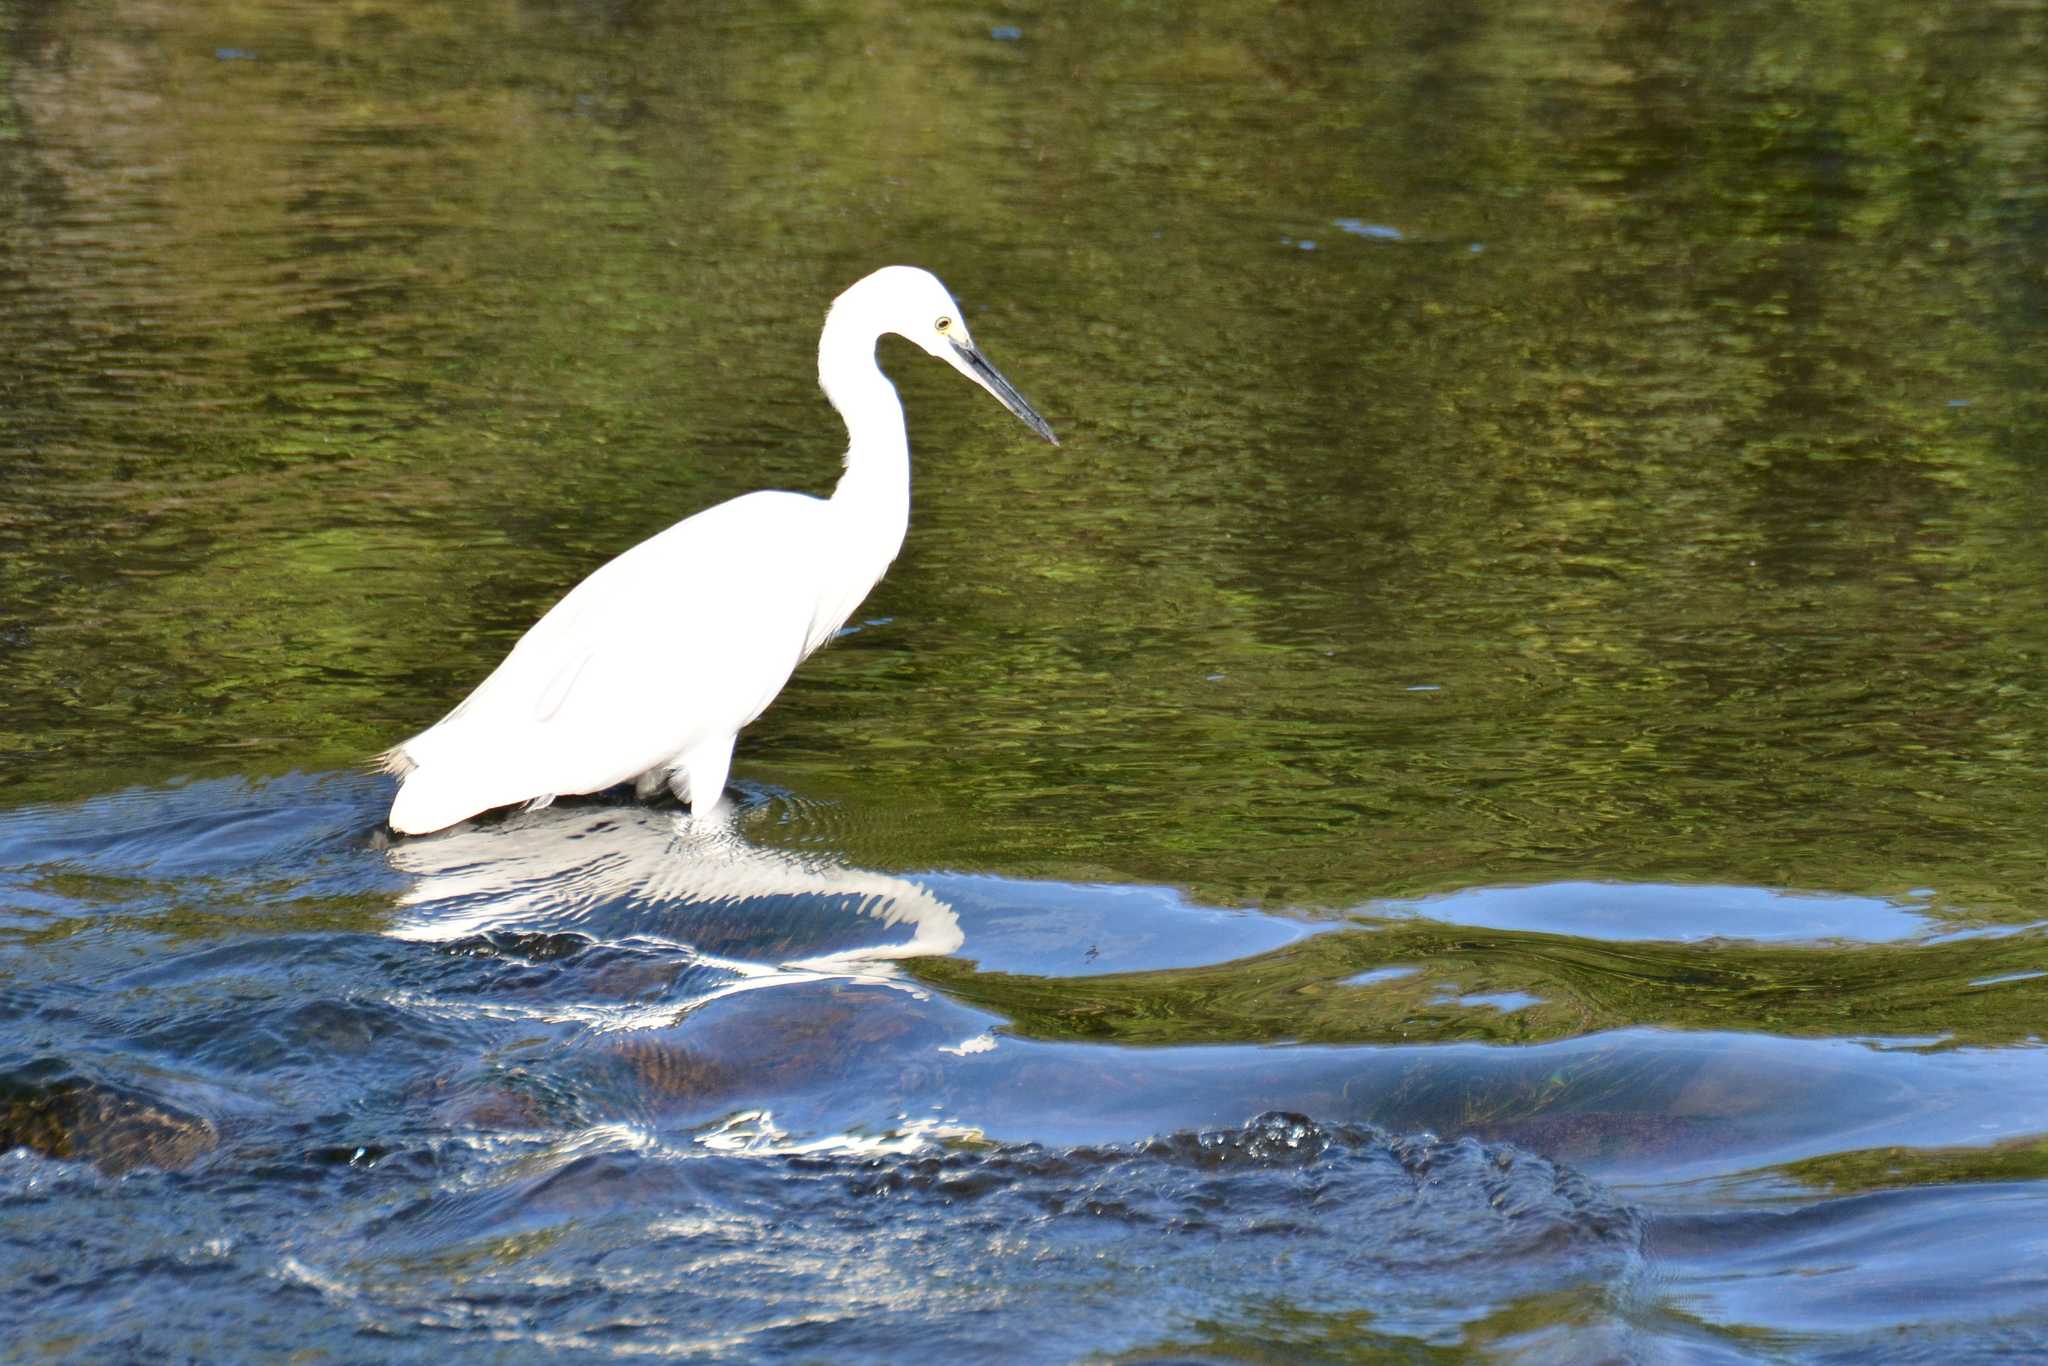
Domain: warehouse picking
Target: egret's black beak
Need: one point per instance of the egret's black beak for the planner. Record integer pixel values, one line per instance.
(993, 381)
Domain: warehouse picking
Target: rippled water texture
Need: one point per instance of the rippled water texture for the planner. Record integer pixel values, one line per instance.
(1487, 801)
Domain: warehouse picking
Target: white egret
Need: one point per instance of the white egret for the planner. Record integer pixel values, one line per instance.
(648, 669)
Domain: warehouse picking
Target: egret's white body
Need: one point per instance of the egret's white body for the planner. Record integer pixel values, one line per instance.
(648, 669)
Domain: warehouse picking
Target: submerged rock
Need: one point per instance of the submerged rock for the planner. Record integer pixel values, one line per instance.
(805, 1247)
(59, 1113)
(1414, 1202)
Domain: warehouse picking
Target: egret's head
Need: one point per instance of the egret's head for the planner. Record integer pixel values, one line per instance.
(913, 304)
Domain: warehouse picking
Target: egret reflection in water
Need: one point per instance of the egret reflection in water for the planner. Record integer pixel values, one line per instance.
(666, 881)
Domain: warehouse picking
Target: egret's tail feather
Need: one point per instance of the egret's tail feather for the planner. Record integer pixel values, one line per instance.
(445, 780)
(454, 773)
(428, 801)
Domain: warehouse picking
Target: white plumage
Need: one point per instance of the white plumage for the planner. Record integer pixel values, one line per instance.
(648, 669)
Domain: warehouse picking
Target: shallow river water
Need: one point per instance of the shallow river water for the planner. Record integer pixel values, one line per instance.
(1490, 799)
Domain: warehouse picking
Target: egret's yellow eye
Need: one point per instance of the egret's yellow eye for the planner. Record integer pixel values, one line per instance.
(943, 324)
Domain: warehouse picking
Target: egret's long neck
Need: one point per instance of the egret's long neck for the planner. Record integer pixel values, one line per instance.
(874, 493)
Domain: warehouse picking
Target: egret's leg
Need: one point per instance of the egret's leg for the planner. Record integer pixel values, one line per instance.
(699, 776)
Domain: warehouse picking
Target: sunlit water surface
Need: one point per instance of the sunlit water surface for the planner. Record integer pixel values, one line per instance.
(1489, 798)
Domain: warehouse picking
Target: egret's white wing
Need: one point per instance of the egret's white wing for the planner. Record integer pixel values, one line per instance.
(683, 588)
(685, 637)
